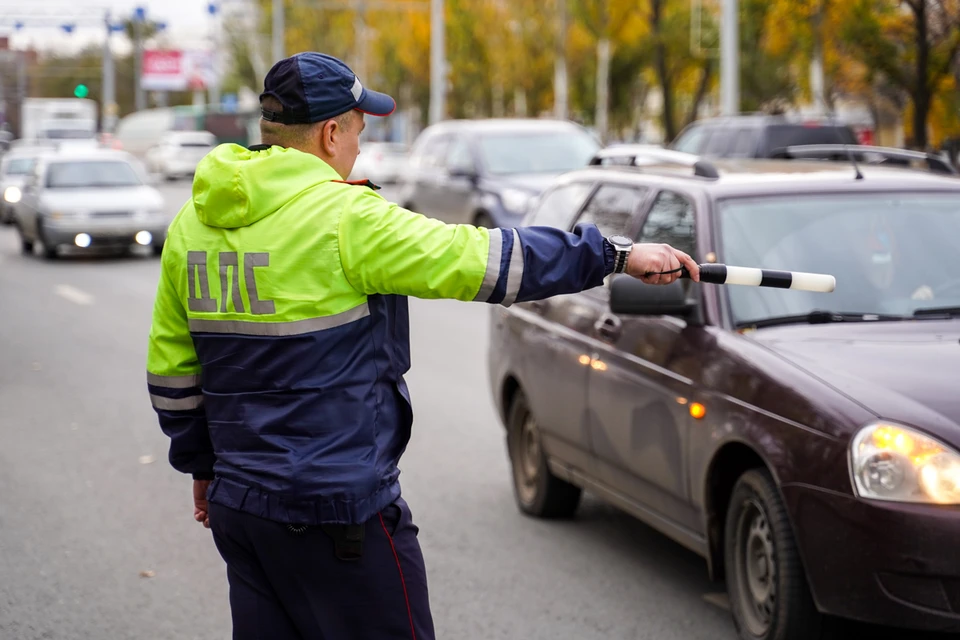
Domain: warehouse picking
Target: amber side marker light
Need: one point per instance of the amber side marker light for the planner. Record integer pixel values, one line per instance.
(697, 410)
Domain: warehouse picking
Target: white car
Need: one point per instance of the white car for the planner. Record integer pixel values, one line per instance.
(177, 153)
(380, 162)
(15, 166)
(90, 198)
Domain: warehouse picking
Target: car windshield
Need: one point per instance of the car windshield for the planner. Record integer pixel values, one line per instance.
(548, 152)
(20, 166)
(891, 253)
(99, 173)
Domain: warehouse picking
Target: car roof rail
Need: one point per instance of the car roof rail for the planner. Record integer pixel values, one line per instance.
(935, 163)
(632, 159)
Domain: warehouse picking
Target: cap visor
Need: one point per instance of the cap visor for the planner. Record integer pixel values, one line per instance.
(375, 104)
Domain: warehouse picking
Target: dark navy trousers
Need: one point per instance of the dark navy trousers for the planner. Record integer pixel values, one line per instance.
(288, 585)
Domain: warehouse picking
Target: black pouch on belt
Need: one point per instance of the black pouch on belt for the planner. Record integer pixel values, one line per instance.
(347, 540)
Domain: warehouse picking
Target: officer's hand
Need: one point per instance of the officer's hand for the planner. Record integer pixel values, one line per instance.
(200, 513)
(657, 258)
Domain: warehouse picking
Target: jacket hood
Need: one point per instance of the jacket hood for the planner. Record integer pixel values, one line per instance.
(235, 187)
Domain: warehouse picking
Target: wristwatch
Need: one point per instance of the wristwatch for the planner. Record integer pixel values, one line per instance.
(622, 247)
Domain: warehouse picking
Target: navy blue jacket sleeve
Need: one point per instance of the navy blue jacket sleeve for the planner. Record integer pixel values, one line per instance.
(541, 262)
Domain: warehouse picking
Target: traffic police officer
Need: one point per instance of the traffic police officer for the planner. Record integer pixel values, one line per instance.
(279, 344)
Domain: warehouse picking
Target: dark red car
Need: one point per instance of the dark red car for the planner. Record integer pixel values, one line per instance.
(806, 444)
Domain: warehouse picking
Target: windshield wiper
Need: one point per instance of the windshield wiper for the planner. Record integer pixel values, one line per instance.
(947, 312)
(820, 316)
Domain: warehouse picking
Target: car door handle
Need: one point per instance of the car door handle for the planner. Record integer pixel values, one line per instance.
(608, 326)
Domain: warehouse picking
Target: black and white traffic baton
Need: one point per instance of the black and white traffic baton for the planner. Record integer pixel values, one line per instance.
(752, 277)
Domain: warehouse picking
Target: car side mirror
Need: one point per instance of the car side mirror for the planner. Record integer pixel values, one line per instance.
(629, 296)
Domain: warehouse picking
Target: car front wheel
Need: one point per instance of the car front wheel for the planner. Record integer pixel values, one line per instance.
(26, 245)
(538, 492)
(769, 596)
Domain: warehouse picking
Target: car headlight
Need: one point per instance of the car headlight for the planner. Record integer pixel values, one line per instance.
(12, 194)
(515, 200)
(896, 463)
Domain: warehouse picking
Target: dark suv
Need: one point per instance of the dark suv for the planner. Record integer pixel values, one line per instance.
(806, 444)
(757, 136)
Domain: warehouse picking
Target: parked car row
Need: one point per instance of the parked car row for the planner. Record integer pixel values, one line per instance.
(807, 445)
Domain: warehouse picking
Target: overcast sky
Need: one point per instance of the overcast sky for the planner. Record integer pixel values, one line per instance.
(188, 22)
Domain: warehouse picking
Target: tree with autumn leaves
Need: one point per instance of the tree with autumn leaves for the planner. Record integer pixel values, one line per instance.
(659, 57)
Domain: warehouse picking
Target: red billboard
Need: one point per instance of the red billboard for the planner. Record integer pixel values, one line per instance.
(177, 70)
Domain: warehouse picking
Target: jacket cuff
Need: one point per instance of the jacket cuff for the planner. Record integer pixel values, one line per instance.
(204, 475)
(609, 257)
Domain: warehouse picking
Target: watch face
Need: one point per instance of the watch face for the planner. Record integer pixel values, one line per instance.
(620, 241)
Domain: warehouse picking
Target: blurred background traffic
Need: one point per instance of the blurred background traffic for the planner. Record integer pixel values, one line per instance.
(790, 134)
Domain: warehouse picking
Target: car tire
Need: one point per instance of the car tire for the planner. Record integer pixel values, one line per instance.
(157, 249)
(26, 246)
(483, 220)
(537, 491)
(766, 583)
(49, 249)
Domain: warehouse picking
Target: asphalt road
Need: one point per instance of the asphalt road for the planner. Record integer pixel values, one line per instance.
(97, 539)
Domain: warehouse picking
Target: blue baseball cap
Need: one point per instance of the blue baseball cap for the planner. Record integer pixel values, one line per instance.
(314, 86)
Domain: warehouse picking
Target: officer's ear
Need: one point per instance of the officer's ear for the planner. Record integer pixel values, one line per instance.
(328, 132)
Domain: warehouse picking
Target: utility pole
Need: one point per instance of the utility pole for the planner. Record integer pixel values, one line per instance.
(278, 29)
(438, 63)
(603, 86)
(360, 40)
(108, 106)
(560, 91)
(730, 59)
(140, 97)
(816, 65)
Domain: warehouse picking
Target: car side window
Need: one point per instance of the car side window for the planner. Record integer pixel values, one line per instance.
(719, 143)
(460, 158)
(612, 207)
(691, 141)
(559, 207)
(745, 144)
(671, 221)
(434, 152)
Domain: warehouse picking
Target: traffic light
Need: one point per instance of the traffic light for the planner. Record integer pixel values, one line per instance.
(81, 91)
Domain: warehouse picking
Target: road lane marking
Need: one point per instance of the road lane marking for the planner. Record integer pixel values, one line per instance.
(718, 600)
(73, 294)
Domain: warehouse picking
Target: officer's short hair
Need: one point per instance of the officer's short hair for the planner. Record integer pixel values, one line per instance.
(291, 135)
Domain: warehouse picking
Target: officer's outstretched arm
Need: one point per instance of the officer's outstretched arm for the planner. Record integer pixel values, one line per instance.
(387, 249)
(173, 380)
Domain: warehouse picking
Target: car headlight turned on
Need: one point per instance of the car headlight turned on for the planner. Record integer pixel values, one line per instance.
(897, 463)
(12, 194)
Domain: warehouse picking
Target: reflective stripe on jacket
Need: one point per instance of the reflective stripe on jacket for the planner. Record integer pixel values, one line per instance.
(280, 330)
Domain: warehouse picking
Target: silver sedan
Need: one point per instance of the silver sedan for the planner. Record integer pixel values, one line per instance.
(90, 198)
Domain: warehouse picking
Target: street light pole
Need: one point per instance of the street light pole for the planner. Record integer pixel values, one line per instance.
(360, 40)
(278, 29)
(108, 101)
(730, 59)
(140, 97)
(438, 73)
(560, 92)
